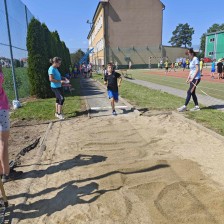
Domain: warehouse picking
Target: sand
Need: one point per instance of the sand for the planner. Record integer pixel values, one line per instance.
(152, 169)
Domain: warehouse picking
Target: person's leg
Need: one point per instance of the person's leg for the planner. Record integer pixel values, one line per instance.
(4, 136)
(4, 154)
(193, 92)
(59, 101)
(112, 104)
(195, 99)
(59, 109)
(56, 107)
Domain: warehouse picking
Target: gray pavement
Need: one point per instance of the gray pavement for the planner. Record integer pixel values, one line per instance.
(207, 101)
(97, 101)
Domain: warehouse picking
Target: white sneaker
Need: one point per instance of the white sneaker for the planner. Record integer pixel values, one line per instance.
(61, 116)
(182, 109)
(196, 108)
(56, 115)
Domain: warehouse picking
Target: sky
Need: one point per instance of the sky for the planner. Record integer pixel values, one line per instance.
(69, 18)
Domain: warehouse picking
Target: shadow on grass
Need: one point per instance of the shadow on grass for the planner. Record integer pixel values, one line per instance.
(213, 107)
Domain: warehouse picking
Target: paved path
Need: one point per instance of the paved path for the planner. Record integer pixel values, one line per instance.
(203, 99)
(98, 102)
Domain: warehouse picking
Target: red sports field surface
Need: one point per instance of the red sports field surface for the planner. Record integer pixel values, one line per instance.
(183, 74)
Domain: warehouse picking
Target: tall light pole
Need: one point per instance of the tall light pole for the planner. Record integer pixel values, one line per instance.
(91, 40)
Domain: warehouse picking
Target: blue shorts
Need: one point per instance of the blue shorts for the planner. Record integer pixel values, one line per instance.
(112, 94)
(213, 70)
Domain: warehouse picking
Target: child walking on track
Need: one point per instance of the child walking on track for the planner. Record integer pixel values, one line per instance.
(194, 79)
(113, 80)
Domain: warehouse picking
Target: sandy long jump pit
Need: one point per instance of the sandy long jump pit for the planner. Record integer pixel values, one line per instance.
(158, 168)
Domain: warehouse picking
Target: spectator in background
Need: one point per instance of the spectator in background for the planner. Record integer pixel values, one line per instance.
(129, 64)
(201, 66)
(219, 68)
(161, 64)
(187, 63)
(172, 67)
(176, 65)
(184, 65)
(213, 69)
(89, 68)
(166, 64)
(223, 69)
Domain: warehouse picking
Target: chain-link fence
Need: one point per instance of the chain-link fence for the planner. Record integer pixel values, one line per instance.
(14, 20)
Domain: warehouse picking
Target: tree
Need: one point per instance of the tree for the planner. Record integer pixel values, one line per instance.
(214, 28)
(37, 60)
(75, 57)
(182, 36)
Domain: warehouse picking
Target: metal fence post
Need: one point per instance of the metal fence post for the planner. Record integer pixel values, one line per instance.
(27, 23)
(11, 54)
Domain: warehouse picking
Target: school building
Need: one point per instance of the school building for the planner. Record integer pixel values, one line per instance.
(126, 31)
(214, 47)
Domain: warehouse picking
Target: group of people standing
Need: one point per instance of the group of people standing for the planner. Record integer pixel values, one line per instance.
(220, 68)
(173, 65)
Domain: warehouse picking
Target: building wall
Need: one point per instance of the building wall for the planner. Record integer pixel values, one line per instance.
(214, 45)
(133, 31)
(220, 46)
(172, 53)
(210, 46)
(134, 23)
(96, 39)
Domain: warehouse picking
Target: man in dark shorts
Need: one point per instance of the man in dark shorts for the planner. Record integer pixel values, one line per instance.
(113, 80)
(219, 68)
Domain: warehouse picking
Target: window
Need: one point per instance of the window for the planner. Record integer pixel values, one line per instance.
(212, 39)
(211, 53)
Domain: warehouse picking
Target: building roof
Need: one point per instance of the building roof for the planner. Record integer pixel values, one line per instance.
(221, 31)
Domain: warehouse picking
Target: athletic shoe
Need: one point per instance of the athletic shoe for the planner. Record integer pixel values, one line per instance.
(196, 108)
(56, 115)
(14, 175)
(182, 109)
(61, 116)
(114, 113)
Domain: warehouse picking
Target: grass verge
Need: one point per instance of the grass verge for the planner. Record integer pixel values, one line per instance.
(44, 109)
(143, 97)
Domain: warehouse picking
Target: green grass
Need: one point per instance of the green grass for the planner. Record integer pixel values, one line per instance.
(143, 97)
(213, 89)
(21, 80)
(44, 109)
